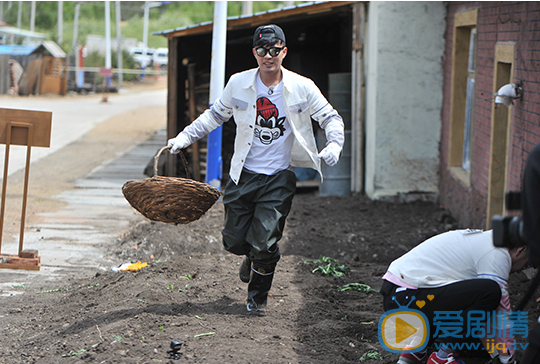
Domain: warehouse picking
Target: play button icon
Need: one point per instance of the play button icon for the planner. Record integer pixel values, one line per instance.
(403, 330)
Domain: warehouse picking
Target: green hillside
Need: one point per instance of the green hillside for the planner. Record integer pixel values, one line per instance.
(169, 15)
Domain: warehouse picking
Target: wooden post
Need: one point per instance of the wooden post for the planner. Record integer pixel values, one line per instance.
(30, 128)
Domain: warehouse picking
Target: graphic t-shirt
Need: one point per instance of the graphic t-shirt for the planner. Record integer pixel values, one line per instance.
(273, 139)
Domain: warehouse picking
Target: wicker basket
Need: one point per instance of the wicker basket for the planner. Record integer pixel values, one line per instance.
(170, 199)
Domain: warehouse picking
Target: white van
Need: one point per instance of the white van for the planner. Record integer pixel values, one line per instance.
(138, 55)
(161, 58)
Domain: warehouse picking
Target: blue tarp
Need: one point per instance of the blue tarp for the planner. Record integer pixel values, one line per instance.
(17, 50)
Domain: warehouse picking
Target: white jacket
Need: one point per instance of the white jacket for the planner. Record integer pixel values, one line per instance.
(302, 100)
(454, 256)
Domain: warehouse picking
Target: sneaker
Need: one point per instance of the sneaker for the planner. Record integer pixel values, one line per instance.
(245, 270)
(434, 359)
(413, 358)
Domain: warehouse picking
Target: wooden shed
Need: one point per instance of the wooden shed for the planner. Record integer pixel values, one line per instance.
(370, 54)
(45, 72)
(320, 36)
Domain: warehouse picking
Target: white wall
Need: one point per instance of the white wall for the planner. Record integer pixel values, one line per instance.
(405, 43)
(97, 43)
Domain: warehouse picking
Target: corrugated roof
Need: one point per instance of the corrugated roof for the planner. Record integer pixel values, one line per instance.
(21, 32)
(283, 11)
(53, 48)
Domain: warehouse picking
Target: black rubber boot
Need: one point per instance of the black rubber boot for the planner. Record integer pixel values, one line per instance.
(258, 288)
(245, 270)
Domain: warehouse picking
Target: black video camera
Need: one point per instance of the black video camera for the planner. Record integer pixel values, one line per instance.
(508, 230)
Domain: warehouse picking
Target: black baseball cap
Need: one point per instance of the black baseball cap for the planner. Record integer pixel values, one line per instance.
(270, 31)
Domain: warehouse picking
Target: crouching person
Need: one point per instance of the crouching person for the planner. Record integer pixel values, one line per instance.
(457, 273)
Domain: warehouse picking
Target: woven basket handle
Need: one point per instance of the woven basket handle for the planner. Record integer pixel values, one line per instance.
(156, 160)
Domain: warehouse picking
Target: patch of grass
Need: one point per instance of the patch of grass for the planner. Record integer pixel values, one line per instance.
(360, 287)
(371, 355)
(53, 290)
(332, 267)
(75, 353)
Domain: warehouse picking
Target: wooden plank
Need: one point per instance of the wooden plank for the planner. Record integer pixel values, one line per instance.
(4, 74)
(466, 19)
(41, 121)
(28, 80)
(20, 266)
(17, 262)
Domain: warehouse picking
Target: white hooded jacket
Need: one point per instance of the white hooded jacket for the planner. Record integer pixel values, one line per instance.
(303, 101)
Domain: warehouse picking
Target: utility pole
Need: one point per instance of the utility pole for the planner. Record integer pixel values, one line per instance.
(19, 15)
(108, 39)
(33, 17)
(60, 23)
(145, 37)
(247, 7)
(79, 75)
(119, 43)
(147, 6)
(145, 25)
(75, 27)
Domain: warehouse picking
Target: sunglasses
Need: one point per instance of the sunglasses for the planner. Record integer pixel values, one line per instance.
(274, 51)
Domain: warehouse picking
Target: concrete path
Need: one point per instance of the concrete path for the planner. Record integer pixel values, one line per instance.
(71, 118)
(79, 235)
(74, 240)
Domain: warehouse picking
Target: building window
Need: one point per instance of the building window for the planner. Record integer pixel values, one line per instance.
(462, 97)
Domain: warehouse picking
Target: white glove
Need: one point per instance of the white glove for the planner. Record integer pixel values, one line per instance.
(330, 154)
(180, 142)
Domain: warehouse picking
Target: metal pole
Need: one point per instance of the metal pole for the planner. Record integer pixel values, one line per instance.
(60, 24)
(33, 17)
(247, 7)
(75, 27)
(19, 15)
(145, 36)
(79, 75)
(108, 39)
(214, 163)
(119, 44)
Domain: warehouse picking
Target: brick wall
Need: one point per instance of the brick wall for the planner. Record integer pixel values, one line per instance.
(515, 23)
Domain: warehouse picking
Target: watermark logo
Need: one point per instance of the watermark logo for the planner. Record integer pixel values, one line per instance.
(407, 330)
(404, 329)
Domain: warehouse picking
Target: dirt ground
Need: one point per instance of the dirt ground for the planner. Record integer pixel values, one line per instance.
(190, 292)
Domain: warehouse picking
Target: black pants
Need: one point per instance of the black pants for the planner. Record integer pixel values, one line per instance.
(469, 295)
(255, 214)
